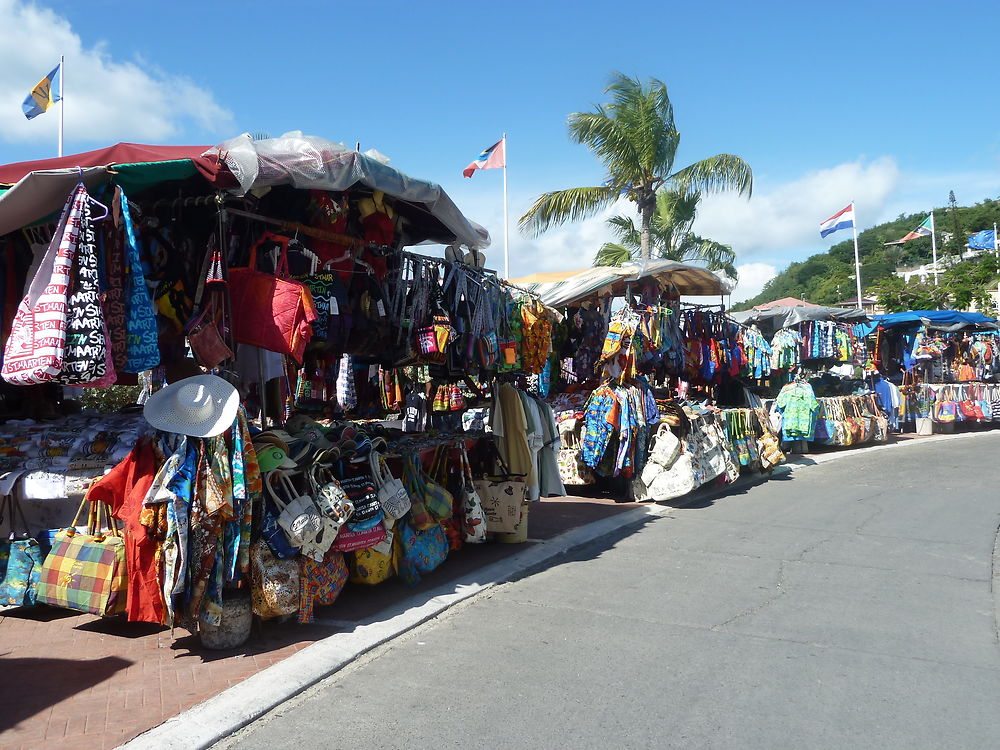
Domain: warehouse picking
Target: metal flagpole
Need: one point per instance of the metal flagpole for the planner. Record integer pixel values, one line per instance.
(857, 256)
(62, 100)
(506, 230)
(934, 249)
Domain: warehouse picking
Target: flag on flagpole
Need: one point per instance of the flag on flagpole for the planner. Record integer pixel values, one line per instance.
(44, 95)
(924, 230)
(843, 219)
(493, 157)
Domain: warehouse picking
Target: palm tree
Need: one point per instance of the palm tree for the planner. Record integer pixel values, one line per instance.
(670, 237)
(636, 138)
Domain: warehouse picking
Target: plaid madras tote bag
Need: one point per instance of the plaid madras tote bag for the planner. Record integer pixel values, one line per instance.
(86, 572)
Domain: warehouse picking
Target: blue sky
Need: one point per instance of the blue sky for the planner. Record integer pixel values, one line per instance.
(887, 103)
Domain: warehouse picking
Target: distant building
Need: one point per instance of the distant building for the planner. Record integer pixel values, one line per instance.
(868, 304)
(785, 302)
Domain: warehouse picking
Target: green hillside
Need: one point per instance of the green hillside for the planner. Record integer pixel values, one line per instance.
(826, 278)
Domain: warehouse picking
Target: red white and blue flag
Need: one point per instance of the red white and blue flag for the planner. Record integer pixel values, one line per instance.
(843, 219)
(494, 157)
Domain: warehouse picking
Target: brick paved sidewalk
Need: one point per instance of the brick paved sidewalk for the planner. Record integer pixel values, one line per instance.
(73, 681)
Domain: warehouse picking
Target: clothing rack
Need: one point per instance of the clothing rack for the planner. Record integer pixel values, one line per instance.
(319, 234)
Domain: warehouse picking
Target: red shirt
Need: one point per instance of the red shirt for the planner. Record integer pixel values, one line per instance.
(124, 488)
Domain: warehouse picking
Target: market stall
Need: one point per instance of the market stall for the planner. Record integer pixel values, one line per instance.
(316, 403)
(946, 364)
(640, 380)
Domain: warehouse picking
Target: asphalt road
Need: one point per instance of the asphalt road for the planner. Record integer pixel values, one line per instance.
(851, 606)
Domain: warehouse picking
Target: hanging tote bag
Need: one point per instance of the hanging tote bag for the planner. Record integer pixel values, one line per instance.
(299, 518)
(22, 565)
(392, 494)
(473, 515)
(37, 342)
(86, 572)
(142, 344)
(420, 552)
(85, 359)
(271, 311)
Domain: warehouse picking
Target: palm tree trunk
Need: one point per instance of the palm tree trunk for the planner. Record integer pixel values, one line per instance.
(646, 208)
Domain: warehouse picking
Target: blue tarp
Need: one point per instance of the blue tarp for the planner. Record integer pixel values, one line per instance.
(937, 318)
(982, 240)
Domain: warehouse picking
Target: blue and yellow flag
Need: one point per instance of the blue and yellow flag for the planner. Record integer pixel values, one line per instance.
(43, 96)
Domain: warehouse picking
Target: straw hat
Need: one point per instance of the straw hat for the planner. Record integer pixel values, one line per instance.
(201, 406)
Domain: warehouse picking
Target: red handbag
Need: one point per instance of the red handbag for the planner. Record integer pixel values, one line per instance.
(270, 310)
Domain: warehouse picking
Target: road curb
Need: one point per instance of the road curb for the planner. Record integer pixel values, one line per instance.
(218, 717)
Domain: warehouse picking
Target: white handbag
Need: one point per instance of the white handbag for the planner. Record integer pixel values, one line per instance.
(392, 495)
(299, 518)
(673, 482)
(329, 496)
(666, 446)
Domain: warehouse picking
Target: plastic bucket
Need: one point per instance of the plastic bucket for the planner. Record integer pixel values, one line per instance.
(925, 426)
(520, 533)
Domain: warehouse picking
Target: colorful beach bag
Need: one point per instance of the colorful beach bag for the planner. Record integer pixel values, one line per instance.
(20, 562)
(37, 342)
(86, 572)
(142, 342)
(420, 552)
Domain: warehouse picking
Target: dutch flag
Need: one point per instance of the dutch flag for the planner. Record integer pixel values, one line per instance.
(843, 219)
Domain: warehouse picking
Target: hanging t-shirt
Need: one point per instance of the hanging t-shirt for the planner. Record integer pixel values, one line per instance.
(124, 489)
(415, 413)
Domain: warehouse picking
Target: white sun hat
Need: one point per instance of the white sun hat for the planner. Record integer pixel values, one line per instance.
(202, 406)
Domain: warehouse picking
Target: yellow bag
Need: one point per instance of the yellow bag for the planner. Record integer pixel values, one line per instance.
(369, 566)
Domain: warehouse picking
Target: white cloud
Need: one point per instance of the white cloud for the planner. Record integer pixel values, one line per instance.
(753, 277)
(787, 216)
(107, 100)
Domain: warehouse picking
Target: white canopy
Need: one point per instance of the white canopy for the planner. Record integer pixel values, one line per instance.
(561, 289)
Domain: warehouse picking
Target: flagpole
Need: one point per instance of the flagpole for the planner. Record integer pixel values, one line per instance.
(934, 249)
(62, 100)
(506, 223)
(857, 256)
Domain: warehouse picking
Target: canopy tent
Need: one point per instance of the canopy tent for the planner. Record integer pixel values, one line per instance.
(309, 162)
(940, 320)
(562, 288)
(40, 188)
(775, 318)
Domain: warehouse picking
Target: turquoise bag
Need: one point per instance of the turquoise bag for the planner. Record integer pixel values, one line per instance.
(421, 551)
(142, 339)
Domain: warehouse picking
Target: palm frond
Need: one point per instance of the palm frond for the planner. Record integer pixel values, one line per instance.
(714, 255)
(612, 254)
(610, 140)
(560, 206)
(719, 172)
(626, 231)
(648, 117)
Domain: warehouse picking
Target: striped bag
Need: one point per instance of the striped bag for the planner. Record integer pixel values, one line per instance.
(37, 342)
(86, 572)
